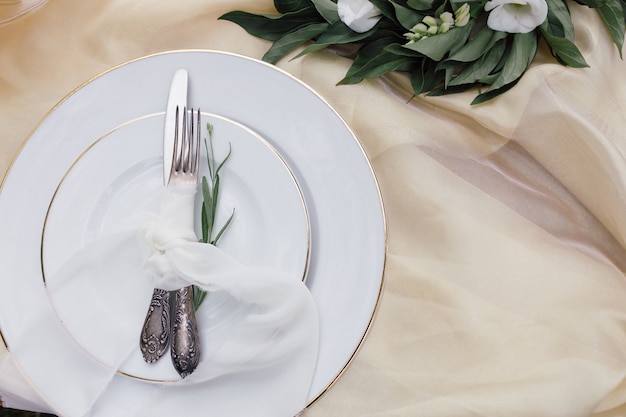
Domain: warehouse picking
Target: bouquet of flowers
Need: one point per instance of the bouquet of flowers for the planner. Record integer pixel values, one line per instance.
(447, 46)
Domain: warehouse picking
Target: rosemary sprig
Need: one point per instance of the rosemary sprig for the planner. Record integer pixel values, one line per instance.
(210, 194)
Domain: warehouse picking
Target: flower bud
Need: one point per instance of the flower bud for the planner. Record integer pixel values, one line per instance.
(420, 28)
(432, 30)
(462, 15)
(430, 21)
(444, 27)
(447, 17)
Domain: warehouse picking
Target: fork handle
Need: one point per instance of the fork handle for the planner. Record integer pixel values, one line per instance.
(185, 349)
(155, 334)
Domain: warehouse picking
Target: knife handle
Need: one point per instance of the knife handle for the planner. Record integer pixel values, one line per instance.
(155, 334)
(185, 340)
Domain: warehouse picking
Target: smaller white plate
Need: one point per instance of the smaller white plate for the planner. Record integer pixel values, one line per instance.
(115, 179)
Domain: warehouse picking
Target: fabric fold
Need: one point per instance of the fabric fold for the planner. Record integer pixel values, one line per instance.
(255, 322)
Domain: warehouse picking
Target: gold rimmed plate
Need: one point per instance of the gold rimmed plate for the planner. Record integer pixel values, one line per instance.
(108, 191)
(347, 224)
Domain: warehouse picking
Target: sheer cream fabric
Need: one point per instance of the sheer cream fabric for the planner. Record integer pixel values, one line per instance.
(504, 286)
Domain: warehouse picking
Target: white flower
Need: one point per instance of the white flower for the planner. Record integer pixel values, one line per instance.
(358, 15)
(516, 16)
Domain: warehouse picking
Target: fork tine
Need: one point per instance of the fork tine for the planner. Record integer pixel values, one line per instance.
(185, 147)
(197, 146)
(176, 151)
(187, 136)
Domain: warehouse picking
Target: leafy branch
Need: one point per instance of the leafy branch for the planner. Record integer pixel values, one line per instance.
(210, 194)
(463, 58)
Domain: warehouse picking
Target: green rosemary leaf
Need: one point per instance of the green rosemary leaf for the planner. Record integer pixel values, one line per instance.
(210, 193)
(207, 207)
(216, 190)
(198, 296)
(205, 223)
(219, 167)
(223, 229)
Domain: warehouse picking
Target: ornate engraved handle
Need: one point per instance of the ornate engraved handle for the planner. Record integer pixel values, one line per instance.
(155, 334)
(185, 341)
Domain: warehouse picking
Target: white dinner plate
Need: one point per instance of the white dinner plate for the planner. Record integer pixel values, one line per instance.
(347, 225)
(108, 189)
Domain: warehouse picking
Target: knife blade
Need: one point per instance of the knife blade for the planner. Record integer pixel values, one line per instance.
(155, 333)
(176, 98)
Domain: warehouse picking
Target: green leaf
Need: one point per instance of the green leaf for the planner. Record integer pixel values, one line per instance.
(381, 64)
(481, 68)
(223, 229)
(518, 58)
(407, 17)
(424, 77)
(565, 50)
(559, 20)
(612, 13)
(210, 194)
(207, 204)
(421, 5)
(402, 50)
(478, 46)
(287, 6)
(226, 158)
(437, 46)
(590, 3)
(271, 27)
(386, 8)
(443, 91)
(336, 34)
(365, 55)
(327, 9)
(292, 40)
(205, 223)
(216, 191)
(490, 95)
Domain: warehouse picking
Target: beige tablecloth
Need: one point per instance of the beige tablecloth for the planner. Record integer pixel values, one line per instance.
(504, 288)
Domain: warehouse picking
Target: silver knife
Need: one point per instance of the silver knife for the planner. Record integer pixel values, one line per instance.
(176, 98)
(155, 334)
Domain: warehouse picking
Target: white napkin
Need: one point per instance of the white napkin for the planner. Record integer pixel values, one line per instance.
(258, 326)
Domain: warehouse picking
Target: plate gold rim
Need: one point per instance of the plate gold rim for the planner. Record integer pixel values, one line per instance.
(292, 77)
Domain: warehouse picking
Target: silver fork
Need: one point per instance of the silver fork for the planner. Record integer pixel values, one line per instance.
(185, 341)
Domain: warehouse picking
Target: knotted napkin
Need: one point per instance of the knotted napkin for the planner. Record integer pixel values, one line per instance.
(258, 325)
